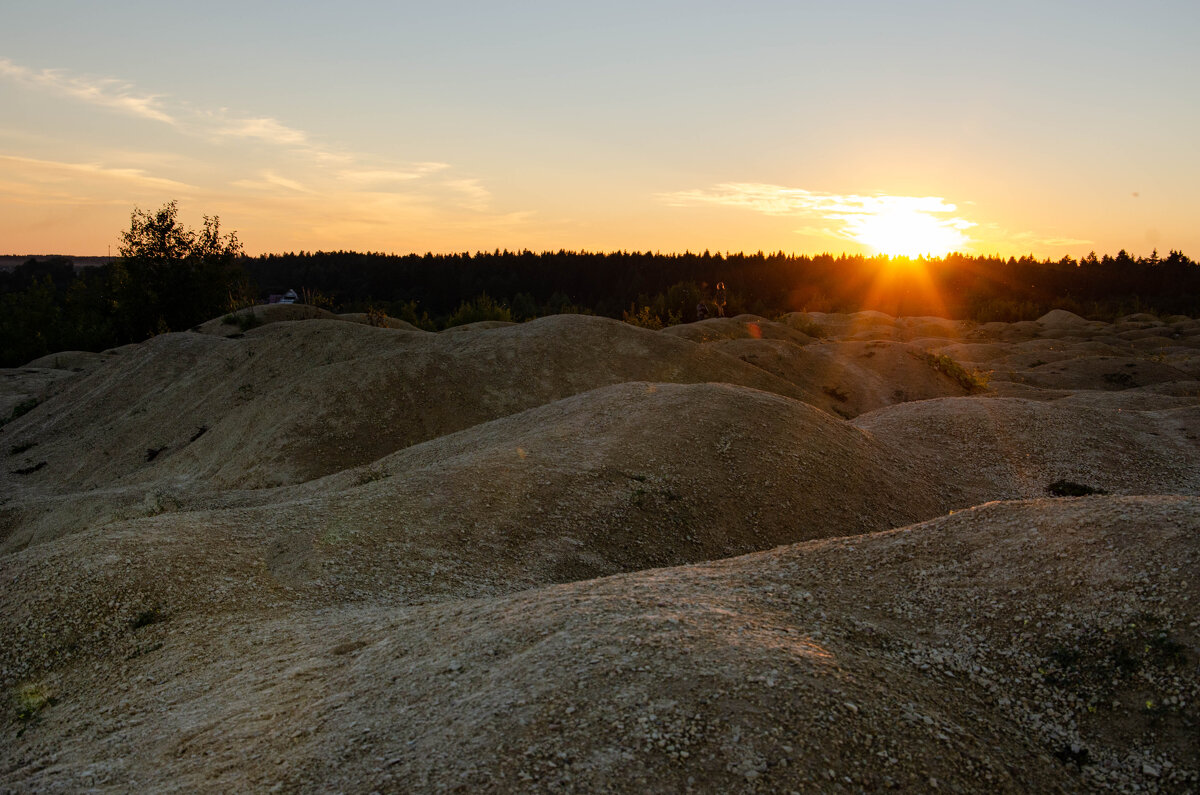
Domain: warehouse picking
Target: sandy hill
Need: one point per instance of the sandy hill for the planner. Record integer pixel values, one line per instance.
(1039, 646)
(321, 555)
(292, 401)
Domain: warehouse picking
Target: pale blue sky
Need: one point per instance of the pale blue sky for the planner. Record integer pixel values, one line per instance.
(460, 126)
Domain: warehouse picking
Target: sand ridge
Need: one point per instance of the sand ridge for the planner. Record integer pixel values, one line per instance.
(574, 555)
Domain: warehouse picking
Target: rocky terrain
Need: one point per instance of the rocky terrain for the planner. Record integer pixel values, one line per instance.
(816, 553)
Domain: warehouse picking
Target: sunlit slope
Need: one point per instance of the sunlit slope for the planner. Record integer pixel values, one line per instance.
(618, 479)
(844, 377)
(1015, 647)
(294, 401)
(1004, 448)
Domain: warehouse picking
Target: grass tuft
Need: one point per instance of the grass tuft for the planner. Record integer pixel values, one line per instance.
(973, 381)
(31, 699)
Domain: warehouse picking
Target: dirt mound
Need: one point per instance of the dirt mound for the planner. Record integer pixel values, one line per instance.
(294, 401)
(1015, 647)
(21, 389)
(1005, 448)
(75, 361)
(738, 328)
(1061, 317)
(236, 324)
(622, 478)
(384, 321)
(1101, 372)
(849, 378)
(318, 555)
(479, 325)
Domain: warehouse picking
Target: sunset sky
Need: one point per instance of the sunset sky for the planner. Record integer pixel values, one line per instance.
(1049, 128)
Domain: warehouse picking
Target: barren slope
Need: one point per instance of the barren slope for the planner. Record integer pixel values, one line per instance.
(322, 556)
(1016, 647)
(294, 401)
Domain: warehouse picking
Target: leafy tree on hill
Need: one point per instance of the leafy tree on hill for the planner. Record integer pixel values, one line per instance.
(169, 277)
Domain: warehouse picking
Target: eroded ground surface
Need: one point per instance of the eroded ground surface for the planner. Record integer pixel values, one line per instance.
(825, 552)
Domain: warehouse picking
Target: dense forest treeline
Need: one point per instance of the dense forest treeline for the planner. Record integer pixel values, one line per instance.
(51, 305)
(958, 286)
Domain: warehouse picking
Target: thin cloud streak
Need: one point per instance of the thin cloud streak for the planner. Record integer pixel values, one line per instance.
(263, 129)
(269, 181)
(473, 195)
(779, 200)
(56, 171)
(380, 176)
(852, 215)
(105, 91)
(301, 168)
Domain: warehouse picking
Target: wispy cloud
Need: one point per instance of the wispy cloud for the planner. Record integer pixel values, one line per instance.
(377, 177)
(779, 200)
(295, 173)
(50, 171)
(1030, 241)
(269, 180)
(263, 129)
(1064, 242)
(471, 192)
(855, 217)
(103, 91)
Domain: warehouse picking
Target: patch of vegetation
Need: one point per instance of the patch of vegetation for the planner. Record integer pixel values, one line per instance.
(480, 308)
(807, 326)
(17, 449)
(153, 615)
(247, 320)
(29, 470)
(22, 408)
(648, 319)
(31, 699)
(837, 393)
(971, 380)
(1068, 488)
(376, 317)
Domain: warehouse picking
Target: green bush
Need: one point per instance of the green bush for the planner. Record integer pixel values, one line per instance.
(31, 699)
(480, 308)
(971, 380)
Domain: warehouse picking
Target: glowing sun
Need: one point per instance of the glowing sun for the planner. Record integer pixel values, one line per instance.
(908, 232)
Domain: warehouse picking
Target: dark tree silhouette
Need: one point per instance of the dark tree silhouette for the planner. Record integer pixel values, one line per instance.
(169, 277)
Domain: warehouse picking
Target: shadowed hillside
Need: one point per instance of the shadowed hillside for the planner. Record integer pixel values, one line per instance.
(825, 551)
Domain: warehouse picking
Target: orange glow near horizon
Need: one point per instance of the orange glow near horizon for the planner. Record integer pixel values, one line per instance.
(907, 232)
(905, 286)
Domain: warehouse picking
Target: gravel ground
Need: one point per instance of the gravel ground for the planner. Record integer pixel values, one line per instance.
(500, 560)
